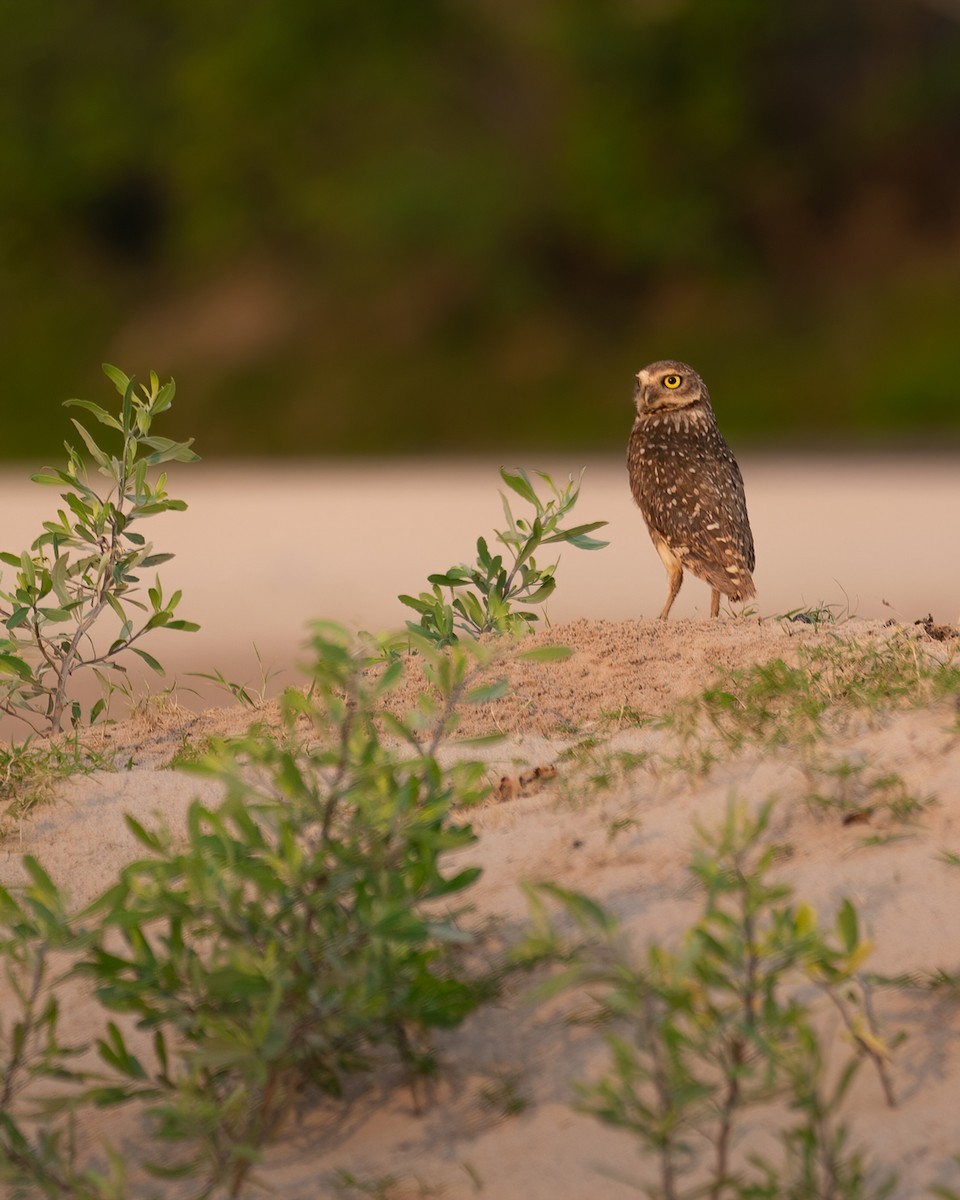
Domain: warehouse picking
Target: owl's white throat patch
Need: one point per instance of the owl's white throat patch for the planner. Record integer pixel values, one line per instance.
(680, 419)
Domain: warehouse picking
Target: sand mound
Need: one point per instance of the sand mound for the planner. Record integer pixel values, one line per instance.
(598, 822)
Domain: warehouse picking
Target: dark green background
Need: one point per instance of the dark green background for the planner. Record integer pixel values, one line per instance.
(367, 226)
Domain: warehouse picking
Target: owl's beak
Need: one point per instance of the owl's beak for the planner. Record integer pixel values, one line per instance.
(639, 390)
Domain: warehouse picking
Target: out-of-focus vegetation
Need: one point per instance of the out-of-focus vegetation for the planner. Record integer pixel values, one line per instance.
(84, 567)
(373, 225)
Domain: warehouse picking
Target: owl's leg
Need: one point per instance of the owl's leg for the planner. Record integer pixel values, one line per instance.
(715, 603)
(674, 574)
(674, 579)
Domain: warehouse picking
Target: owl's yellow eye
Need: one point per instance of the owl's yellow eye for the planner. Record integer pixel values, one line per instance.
(672, 381)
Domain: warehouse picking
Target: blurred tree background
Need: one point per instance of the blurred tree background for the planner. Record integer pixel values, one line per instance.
(368, 226)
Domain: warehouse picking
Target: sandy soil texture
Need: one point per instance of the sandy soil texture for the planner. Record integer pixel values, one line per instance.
(597, 821)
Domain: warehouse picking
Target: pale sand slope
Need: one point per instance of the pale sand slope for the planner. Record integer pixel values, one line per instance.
(627, 845)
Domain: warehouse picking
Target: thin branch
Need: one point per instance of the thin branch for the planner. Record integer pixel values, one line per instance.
(872, 1047)
(19, 1056)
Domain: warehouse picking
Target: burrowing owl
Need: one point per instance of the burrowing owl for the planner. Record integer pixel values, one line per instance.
(687, 483)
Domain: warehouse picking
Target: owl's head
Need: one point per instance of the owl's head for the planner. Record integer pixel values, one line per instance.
(668, 385)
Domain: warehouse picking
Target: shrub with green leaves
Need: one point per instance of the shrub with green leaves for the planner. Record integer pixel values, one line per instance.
(304, 929)
(86, 563)
(699, 1034)
(483, 598)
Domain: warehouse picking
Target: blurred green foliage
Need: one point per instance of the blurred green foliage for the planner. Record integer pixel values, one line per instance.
(411, 225)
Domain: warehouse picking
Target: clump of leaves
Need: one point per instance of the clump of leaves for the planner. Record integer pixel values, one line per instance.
(700, 1033)
(86, 563)
(305, 928)
(485, 597)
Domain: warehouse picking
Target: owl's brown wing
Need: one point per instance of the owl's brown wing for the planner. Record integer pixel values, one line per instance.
(690, 491)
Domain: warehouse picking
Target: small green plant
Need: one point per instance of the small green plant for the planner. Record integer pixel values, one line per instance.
(504, 1095)
(627, 717)
(301, 931)
(818, 1160)
(699, 1034)
(594, 766)
(191, 750)
(768, 704)
(621, 825)
(484, 597)
(250, 696)
(86, 563)
(776, 704)
(852, 790)
(28, 772)
(818, 614)
(304, 929)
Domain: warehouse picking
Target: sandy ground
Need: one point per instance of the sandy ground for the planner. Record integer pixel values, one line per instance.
(260, 555)
(626, 841)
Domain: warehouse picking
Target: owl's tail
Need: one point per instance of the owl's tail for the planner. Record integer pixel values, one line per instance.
(733, 579)
(745, 589)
